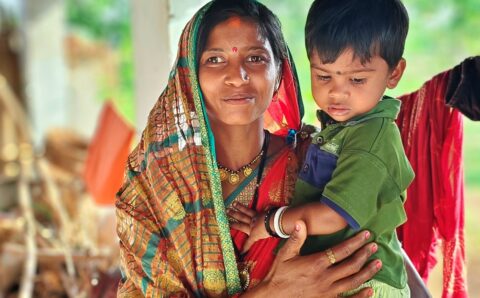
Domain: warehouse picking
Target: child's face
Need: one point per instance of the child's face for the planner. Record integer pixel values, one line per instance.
(347, 88)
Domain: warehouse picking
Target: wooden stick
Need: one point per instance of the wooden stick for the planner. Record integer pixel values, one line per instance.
(12, 106)
(25, 199)
(53, 196)
(53, 255)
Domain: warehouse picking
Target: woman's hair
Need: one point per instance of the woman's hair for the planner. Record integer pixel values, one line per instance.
(368, 27)
(267, 22)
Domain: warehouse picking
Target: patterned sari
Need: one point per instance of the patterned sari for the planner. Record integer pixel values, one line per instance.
(174, 234)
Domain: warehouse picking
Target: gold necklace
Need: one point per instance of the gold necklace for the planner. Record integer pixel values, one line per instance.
(232, 176)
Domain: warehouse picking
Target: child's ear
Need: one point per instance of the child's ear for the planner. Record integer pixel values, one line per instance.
(396, 74)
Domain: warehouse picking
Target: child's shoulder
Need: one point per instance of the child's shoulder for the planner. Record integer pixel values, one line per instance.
(374, 133)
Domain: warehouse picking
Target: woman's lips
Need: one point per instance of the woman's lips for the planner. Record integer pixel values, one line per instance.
(239, 98)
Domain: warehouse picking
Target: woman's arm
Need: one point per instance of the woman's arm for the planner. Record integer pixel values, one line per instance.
(293, 275)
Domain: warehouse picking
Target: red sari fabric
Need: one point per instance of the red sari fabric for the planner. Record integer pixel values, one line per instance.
(275, 191)
(432, 134)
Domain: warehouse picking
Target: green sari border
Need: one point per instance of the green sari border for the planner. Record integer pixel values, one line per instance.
(208, 141)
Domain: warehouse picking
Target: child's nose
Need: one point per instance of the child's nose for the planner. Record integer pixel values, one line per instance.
(338, 94)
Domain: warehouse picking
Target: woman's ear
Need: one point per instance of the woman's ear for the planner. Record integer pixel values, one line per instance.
(396, 74)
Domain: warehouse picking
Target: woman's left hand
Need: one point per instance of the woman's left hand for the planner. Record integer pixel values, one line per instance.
(243, 218)
(249, 222)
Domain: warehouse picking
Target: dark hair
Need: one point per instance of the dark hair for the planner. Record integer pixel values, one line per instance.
(267, 22)
(368, 27)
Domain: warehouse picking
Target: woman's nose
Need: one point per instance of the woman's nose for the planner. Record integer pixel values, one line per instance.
(237, 75)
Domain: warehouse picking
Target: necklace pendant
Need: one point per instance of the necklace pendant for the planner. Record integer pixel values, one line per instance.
(247, 171)
(223, 174)
(244, 275)
(233, 178)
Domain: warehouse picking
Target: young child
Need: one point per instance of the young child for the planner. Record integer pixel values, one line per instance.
(355, 173)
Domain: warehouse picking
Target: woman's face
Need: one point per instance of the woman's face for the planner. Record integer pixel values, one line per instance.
(237, 73)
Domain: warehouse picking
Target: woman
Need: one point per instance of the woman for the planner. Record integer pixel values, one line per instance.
(205, 148)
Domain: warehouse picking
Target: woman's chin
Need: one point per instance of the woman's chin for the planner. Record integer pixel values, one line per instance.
(236, 121)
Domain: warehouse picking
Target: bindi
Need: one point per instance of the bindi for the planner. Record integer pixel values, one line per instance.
(234, 49)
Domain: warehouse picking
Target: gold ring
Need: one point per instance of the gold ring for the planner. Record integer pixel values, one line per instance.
(330, 256)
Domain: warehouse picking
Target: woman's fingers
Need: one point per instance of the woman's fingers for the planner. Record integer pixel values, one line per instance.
(345, 249)
(364, 293)
(354, 281)
(241, 227)
(248, 244)
(245, 210)
(239, 216)
(354, 264)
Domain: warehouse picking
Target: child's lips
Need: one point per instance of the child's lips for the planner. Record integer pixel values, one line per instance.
(338, 110)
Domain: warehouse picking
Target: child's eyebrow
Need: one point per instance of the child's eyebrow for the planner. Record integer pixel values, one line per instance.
(353, 71)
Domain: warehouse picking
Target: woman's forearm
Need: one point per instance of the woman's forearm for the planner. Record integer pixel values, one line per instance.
(319, 218)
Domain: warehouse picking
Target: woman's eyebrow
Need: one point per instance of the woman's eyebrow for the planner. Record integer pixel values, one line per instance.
(257, 48)
(214, 50)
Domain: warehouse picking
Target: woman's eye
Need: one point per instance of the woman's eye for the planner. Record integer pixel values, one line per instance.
(256, 59)
(214, 60)
(358, 81)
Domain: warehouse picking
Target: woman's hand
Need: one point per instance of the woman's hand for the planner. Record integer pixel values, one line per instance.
(250, 222)
(242, 216)
(323, 274)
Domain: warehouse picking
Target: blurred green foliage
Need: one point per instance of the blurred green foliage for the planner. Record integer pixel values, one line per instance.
(109, 21)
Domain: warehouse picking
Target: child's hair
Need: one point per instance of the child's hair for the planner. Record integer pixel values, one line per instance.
(368, 27)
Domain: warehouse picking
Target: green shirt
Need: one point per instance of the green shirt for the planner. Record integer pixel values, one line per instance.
(359, 168)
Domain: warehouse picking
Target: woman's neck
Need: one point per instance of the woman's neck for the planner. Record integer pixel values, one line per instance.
(236, 146)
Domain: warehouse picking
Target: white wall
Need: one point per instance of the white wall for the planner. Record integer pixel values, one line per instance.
(156, 28)
(44, 68)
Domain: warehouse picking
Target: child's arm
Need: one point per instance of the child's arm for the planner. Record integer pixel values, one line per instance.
(319, 218)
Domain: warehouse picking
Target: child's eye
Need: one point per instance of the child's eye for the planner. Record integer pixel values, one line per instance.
(323, 78)
(358, 81)
(215, 60)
